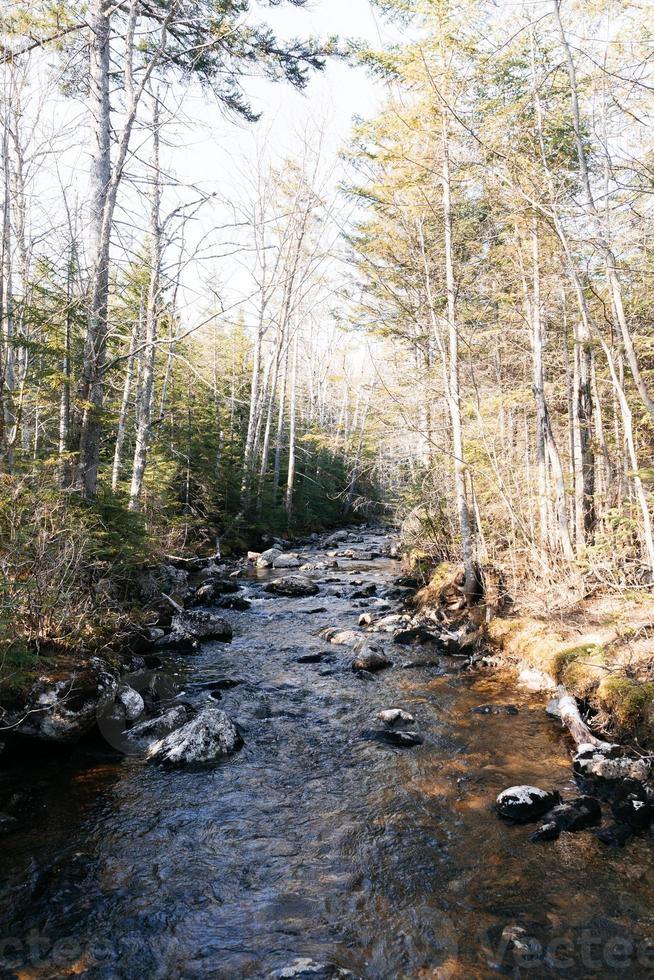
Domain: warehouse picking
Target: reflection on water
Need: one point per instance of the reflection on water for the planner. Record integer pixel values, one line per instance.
(313, 841)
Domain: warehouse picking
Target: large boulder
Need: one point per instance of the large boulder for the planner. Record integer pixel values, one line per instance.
(157, 728)
(207, 737)
(286, 561)
(524, 803)
(577, 814)
(62, 706)
(267, 558)
(609, 763)
(372, 659)
(203, 625)
(131, 702)
(335, 538)
(292, 585)
(213, 589)
(153, 583)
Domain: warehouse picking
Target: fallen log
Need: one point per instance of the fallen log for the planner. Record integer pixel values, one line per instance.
(568, 711)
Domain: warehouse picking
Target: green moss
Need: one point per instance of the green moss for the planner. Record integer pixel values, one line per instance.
(629, 702)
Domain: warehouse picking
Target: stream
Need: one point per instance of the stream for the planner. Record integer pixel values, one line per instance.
(314, 841)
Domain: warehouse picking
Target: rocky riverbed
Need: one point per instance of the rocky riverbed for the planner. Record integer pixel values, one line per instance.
(299, 778)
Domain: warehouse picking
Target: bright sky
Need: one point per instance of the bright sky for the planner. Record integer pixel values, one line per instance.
(216, 154)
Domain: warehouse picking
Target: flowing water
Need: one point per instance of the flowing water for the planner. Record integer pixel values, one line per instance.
(314, 841)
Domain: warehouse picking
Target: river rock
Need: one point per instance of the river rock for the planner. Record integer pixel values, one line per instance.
(266, 558)
(403, 739)
(609, 763)
(573, 815)
(63, 708)
(292, 585)
(153, 583)
(208, 736)
(335, 538)
(615, 835)
(210, 571)
(209, 591)
(156, 728)
(524, 803)
(286, 561)
(319, 566)
(308, 969)
(131, 701)
(495, 709)
(202, 624)
(634, 811)
(237, 602)
(391, 716)
(340, 637)
(371, 659)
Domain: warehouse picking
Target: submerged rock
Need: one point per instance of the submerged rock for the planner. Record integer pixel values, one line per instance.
(237, 602)
(403, 739)
(371, 659)
(524, 803)
(494, 709)
(615, 835)
(573, 815)
(292, 585)
(209, 736)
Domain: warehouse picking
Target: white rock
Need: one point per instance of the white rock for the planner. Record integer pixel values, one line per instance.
(391, 715)
(210, 735)
(286, 561)
(266, 558)
(132, 702)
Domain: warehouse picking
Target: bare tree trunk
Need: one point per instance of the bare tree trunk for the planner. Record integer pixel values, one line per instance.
(454, 397)
(146, 394)
(292, 425)
(583, 423)
(94, 352)
(279, 440)
(137, 330)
